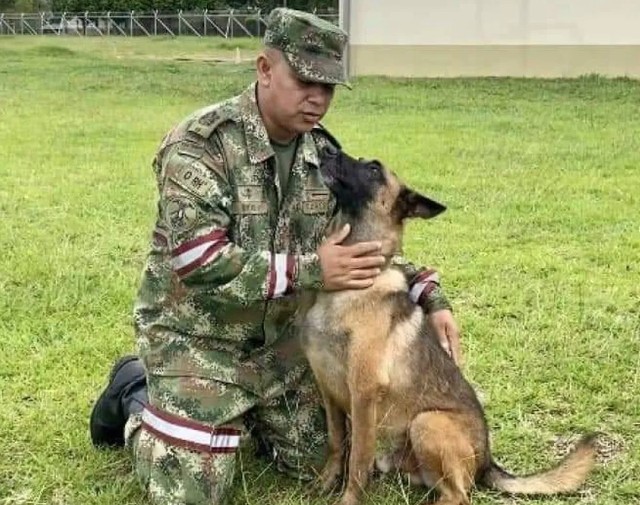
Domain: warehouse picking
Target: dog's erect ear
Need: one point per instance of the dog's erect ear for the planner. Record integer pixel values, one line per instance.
(412, 204)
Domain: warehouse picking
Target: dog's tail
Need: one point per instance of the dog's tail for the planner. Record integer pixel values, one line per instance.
(567, 476)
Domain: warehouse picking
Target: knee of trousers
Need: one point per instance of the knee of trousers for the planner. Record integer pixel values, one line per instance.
(172, 473)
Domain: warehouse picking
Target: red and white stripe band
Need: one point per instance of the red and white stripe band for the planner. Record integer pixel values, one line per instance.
(182, 432)
(280, 274)
(423, 284)
(197, 252)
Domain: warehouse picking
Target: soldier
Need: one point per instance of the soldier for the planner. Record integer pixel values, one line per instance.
(240, 231)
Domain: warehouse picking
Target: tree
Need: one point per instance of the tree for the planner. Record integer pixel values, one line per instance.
(176, 5)
(267, 5)
(23, 5)
(134, 5)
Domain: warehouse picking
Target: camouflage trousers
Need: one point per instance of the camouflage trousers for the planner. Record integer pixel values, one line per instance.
(289, 428)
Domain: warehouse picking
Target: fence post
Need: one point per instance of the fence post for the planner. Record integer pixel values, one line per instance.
(204, 22)
(131, 24)
(155, 22)
(180, 22)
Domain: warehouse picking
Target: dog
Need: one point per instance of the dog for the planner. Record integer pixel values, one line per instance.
(376, 363)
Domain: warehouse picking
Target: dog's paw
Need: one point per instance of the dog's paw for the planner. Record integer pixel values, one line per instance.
(330, 479)
(330, 483)
(348, 499)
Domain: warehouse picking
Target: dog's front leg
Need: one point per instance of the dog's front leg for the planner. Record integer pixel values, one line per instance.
(363, 444)
(367, 380)
(336, 442)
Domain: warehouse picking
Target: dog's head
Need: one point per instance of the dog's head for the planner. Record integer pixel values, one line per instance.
(371, 198)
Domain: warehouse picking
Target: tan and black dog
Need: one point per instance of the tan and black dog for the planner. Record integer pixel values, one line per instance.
(375, 362)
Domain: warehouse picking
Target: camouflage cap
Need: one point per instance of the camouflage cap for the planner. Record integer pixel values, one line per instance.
(313, 47)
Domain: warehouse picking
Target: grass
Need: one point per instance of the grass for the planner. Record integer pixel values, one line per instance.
(538, 251)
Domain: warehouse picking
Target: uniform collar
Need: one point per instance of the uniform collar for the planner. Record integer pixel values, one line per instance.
(309, 150)
(258, 146)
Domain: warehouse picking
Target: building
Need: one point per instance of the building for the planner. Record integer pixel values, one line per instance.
(522, 38)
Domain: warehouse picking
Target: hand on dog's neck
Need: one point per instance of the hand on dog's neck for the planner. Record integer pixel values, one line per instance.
(363, 230)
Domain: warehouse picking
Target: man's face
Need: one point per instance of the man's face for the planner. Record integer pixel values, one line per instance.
(294, 105)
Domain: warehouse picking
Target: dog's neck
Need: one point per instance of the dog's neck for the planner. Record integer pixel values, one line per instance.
(371, 230)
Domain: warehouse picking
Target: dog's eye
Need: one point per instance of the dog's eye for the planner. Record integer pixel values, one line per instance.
(374, 165)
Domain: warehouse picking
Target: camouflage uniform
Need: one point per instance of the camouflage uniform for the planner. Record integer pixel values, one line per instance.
(229, 255)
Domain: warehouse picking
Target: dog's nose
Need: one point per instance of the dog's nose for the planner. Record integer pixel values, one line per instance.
(330, 151)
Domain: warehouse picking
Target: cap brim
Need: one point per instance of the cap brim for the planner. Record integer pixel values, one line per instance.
(317, 68)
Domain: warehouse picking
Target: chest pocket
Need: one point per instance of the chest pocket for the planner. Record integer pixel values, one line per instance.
(315, 201)
(315, 210)
(250, 210)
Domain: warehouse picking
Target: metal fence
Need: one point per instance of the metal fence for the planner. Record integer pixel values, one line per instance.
(227, 23)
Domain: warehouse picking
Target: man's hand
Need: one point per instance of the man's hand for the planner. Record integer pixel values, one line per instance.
(349, 267)
(446, 329)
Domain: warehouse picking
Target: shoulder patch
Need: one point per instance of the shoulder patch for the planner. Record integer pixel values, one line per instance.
(194, 178)
(181, 214)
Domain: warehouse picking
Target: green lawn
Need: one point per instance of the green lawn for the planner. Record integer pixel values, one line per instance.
(539, 251)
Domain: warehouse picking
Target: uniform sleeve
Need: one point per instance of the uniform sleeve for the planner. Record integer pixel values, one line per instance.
(424, 285)
(196, 218)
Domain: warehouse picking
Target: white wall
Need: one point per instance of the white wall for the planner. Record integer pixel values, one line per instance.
(486, 22)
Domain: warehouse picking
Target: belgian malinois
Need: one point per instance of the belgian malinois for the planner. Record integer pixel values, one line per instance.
(376, 362)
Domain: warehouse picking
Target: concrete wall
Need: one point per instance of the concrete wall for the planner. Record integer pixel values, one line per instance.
(546, 38)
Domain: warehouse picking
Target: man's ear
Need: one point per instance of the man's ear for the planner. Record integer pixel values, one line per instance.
(263, 68)
(412, 204)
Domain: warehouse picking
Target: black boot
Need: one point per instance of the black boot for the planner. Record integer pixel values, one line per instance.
(125, 394)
